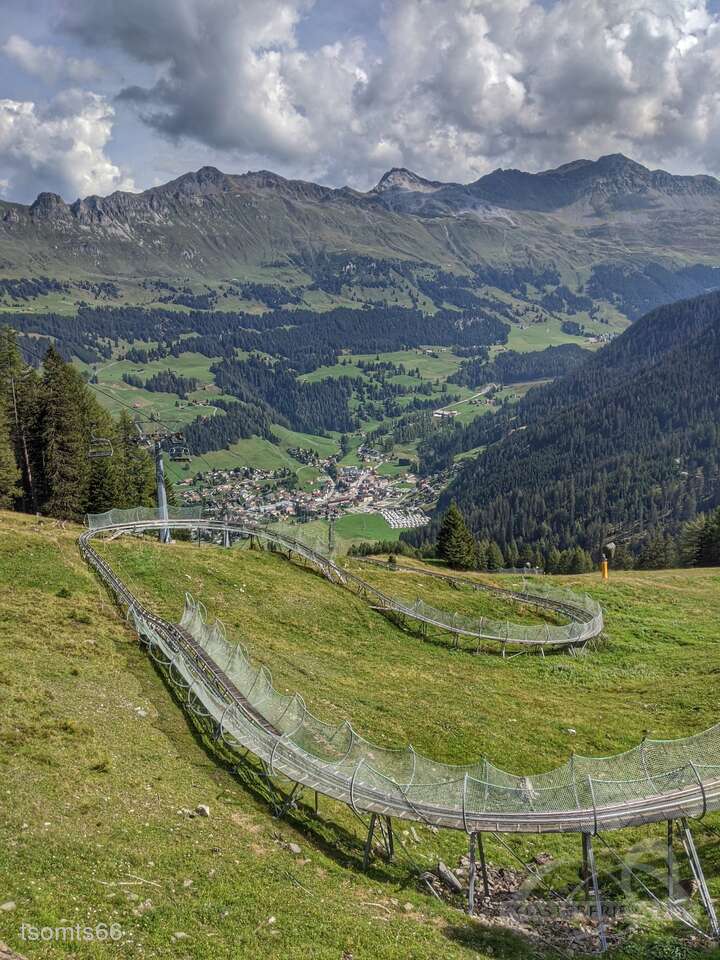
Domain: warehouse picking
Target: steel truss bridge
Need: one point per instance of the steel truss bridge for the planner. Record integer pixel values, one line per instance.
(657, 781)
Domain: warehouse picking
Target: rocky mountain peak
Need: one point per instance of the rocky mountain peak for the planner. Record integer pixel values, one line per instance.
(202, 182)
(49, 206)
(400, 178)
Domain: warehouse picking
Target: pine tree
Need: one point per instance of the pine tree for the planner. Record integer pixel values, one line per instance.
(554, 560)
(20, 396)
(65, 439)
(9, 473)
(653, 556)
(135, 482)
(709, 553)
(495, 559)
(455, 544)
(526, 556)
(690, 541)
(623, 559)
(170, 492)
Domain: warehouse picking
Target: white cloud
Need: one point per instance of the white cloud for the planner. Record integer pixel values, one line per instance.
(49, 63)
(465, 86)
(59, 147)
(459, 86)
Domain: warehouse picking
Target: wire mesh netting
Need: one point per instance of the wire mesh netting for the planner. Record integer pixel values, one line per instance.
(584, 614)
(656, 780)
(506, 632)
(96, 521)
(628, 787)
(319, 538)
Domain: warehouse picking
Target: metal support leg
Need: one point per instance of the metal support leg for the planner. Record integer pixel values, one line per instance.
(670, 862)
(473, 871)
(368, 842)
(483, 866)
(596, 890)
(388, 837)
(476, 843)
(697, 870)
(289, 801)
(316, 801)
(584, 871)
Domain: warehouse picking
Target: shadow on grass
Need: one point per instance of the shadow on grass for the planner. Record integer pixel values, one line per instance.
(487, 942)
(333, 839)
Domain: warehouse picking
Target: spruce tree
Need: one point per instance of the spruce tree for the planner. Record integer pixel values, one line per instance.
(554, 561)
(495, 559)
(20, 397)
(653, 556)
(65, 435)
(709, 553)
(455, 544)
(690, 541)
(135, 470)
(9, 473)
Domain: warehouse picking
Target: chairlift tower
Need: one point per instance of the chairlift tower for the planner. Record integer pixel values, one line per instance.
(161, 491)
(331, 532)
(156, 441)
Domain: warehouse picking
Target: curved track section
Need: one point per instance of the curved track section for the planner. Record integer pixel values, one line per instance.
(658, 780)
(584, 614)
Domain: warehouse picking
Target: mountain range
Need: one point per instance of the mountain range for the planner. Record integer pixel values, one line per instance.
(610, 229)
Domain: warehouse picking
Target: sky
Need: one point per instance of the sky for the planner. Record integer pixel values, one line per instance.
(101, 95)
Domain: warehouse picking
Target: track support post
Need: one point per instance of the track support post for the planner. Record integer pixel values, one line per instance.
(670, 862)
(699, 876)
(591, 877)
(384, 824)
(368, 841)
(483, 865)
(475, 846)
(471, 877)
(288, 802)
(388, 839)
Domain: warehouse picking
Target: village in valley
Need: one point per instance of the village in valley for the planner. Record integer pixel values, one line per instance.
(273, 495)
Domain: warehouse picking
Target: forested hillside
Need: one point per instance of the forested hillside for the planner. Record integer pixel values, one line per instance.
(305, 338)
(626, 445)
(50, 426)
(513, 367)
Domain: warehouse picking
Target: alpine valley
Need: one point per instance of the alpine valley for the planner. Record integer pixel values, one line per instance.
(371, 356)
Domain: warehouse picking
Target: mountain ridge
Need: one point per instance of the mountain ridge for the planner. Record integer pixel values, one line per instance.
(210, 179)
(611, 233)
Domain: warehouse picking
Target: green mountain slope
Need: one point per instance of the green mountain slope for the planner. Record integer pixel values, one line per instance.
(624, 237)
(628, 442)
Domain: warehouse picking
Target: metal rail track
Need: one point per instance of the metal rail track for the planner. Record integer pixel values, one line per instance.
(569, 610)
(589, 625)
(240, 724)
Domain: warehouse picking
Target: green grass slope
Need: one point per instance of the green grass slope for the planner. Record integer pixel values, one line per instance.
(98, 763)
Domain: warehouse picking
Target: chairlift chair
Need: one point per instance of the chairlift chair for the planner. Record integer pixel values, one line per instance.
(180, 453)
(99, 448)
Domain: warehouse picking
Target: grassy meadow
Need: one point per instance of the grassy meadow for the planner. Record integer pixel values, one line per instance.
(98, 762)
